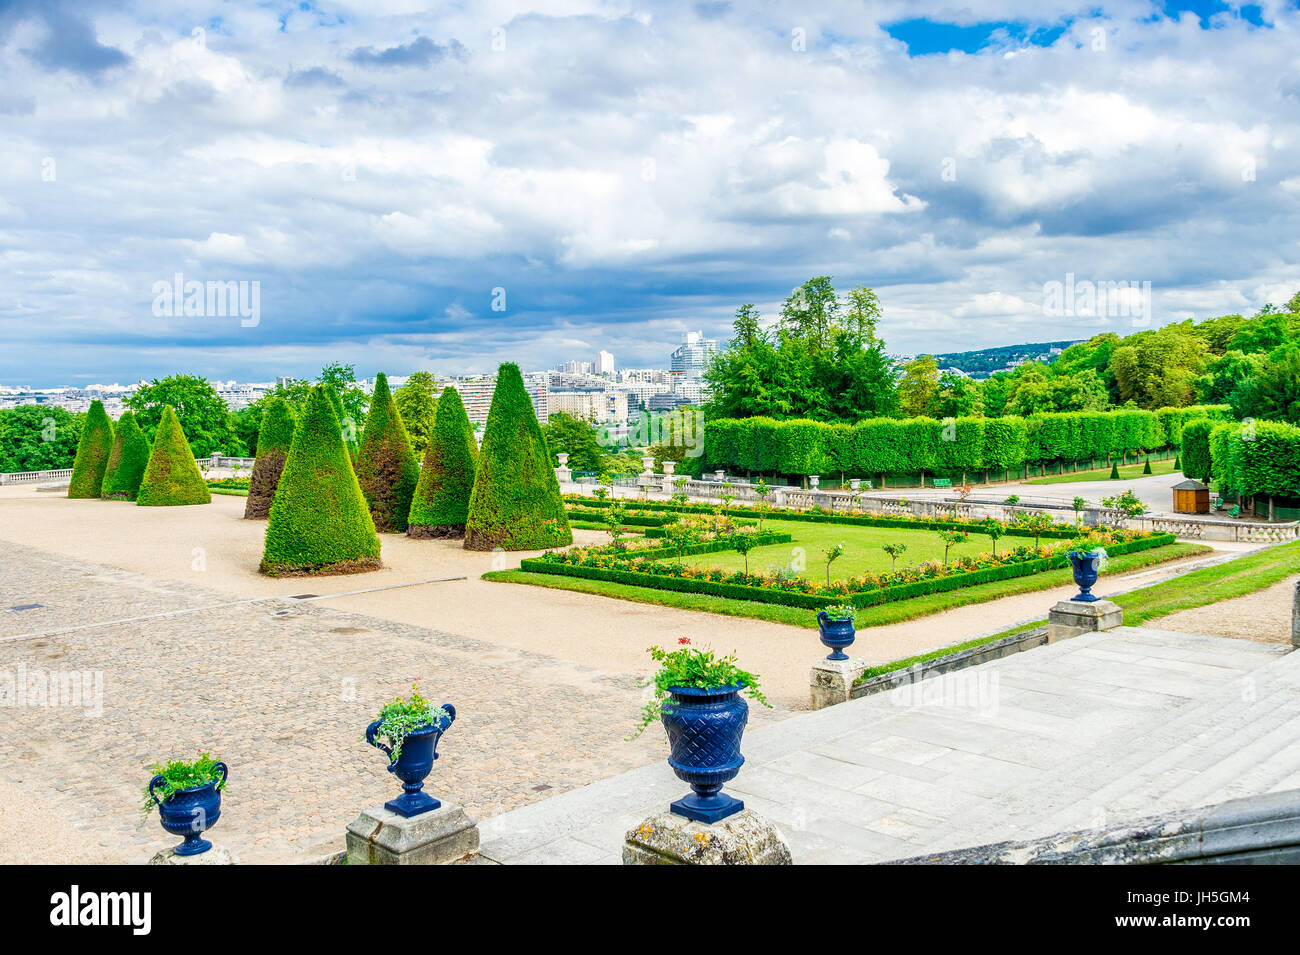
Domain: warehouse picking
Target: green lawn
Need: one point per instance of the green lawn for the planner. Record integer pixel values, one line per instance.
(867, 617)
(1233, 578)
(862, 551)
(1126, 472)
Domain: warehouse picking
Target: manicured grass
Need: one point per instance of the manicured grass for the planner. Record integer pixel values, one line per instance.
(867, 617)
(1234, 578)
(906, 662)
(1127, 472)
(232, 491)
(862, 553)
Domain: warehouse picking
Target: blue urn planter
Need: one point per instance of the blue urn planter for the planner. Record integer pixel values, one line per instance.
(836, 633)
(190, 812)
(704, 729)
(413, 763)
(1085, 566)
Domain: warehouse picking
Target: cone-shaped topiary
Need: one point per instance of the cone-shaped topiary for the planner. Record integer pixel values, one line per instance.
(348, 428)
(171, 477)
(1147, 468)
(386, 465)
(441, 502)
(274, 437)
(516, 503)
(93, 449)
(127, 461)
(1178, 463)
(319, 523)
(1114, 472)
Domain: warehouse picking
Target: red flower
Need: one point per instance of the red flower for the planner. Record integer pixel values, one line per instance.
(683, 641)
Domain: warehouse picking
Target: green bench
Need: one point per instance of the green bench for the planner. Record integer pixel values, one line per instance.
(942, 482)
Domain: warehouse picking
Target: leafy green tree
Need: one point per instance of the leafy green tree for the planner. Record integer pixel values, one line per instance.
(957, 397)
(201, 412)
(441, 503)
(566, 434)
(811, 310)
(319, 523)
(38, 438)
(1273, 393)
(92, 453)
(171, 477)
(274, 439)
(386, 467)
(918, 387)
(342, 380)
(126, 462)
(516, 503)
(418, 404)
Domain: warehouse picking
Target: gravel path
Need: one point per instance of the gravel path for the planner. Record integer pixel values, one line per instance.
(1264, 616)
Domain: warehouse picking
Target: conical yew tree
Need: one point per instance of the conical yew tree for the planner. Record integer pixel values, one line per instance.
(319, 523)
(126, 463)
(274, 437)
(93, 450)
(386, 465)
(347, 426)
(171, 477)
(516, 503)
(441, 502)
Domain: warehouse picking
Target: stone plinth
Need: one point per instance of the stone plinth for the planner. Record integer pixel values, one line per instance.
(382, 837)
(669, 839)
(831, 681)
(214, 856)
(1069, 618)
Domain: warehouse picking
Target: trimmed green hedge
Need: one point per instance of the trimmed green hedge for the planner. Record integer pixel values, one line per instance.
(172, 477)
(515, 504)
(126, 463)
(274, 438)
(319, 522)
(1258, 457)
(441, 503)
(914, 445)
(854, 520)
(1194, 454)
(814, 601)
(386, 467)
(93, 451)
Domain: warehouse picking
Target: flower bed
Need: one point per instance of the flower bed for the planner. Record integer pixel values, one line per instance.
(644, 567)
(815, 515)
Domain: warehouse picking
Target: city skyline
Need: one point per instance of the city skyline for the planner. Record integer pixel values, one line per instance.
(354, 182)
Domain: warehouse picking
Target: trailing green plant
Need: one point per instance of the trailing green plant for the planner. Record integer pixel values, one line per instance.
(840, 611)
(400, 717)
(179, 775)
(692, 668)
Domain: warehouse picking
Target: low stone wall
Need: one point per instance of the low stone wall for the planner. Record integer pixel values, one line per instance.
(36, 477)
(1254, 830)
(972, 656)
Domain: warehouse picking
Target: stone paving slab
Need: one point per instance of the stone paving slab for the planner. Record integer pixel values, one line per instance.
(888, 777)
(282, 691)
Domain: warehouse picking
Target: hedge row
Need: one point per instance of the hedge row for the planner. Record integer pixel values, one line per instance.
(1260, 457)
(814, 601)
(853, 520)
(631, 520)
(915, 445)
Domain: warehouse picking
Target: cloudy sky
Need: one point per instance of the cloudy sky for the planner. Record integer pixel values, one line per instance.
(612, 174)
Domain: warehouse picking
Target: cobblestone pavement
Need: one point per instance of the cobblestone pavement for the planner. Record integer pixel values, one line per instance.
(282, 691)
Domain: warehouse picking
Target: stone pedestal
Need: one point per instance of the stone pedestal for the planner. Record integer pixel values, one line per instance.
(669, 839)
(440, 837)
(563, 473)
(831, 681)
(214, 856)
(1069, 618)
(1295, 617)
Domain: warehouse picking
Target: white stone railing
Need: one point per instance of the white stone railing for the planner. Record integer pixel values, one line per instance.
(35, 477)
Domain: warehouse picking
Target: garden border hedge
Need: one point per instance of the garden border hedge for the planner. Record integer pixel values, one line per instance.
(865, 598)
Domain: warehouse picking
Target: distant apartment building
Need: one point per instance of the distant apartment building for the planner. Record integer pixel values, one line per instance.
(692, 356)
(604, 363)
(575, 368)
(476, 395)
(591, 404)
